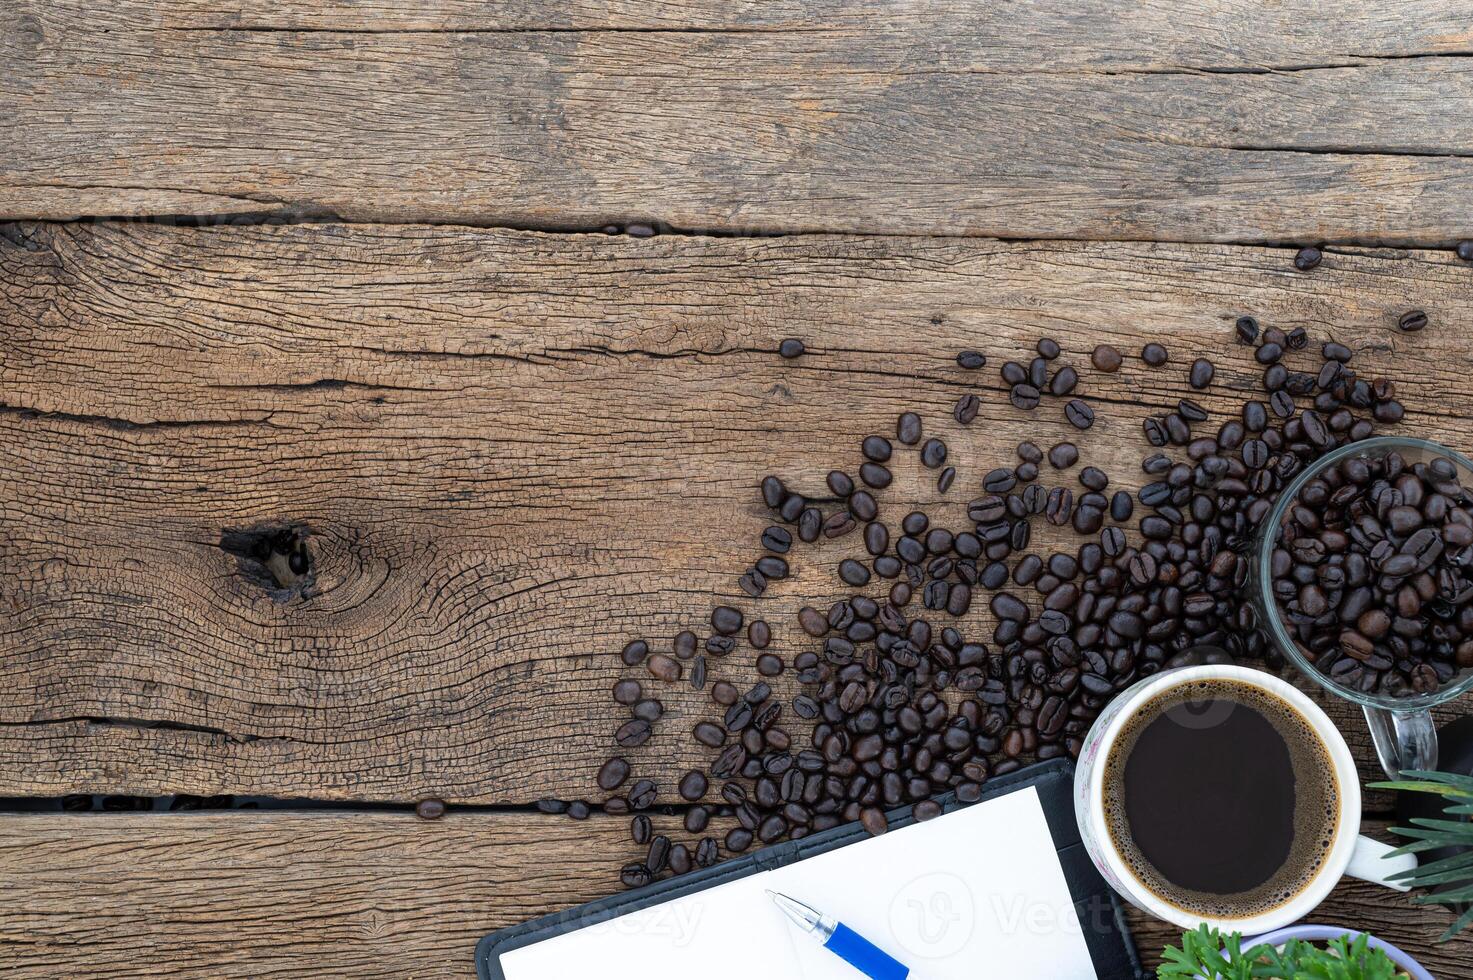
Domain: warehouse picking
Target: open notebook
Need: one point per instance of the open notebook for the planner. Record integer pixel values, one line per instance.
(979, 892)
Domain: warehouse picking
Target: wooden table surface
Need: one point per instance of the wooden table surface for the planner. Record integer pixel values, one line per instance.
(338, 265)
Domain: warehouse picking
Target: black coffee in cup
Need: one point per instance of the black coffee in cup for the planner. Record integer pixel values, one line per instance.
(1221, 798)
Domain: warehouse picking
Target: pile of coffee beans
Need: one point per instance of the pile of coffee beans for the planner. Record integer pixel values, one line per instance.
(895, 704)
(1374, 573)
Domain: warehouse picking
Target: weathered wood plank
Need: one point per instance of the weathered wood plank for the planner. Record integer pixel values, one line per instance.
(515, 452)
(357, 894)
(1236, 33)
(1193, 121)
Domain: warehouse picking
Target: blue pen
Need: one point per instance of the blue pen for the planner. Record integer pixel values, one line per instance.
(844, 942)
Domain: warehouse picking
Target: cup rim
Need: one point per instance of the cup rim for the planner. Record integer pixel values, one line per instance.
(1347, 780)
(1269, 605)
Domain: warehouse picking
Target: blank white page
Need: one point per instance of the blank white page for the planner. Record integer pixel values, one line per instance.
(978, 892)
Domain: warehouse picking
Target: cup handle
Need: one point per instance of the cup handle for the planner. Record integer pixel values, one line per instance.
(1369, 862)
(1404, 740)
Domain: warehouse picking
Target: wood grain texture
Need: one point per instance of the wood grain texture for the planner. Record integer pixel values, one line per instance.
(1180, 121)
(373, 895)
(515, 452)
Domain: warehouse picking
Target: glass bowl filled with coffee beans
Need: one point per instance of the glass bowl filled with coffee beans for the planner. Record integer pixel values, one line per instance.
(1364, 580)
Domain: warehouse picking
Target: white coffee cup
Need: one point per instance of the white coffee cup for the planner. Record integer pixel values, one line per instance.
(1349, 853)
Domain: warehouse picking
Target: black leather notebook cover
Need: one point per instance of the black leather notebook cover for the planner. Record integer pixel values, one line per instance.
(1105, 932)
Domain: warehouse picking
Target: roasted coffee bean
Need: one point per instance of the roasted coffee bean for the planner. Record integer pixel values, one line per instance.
(693, 786)
(966, 409)
(876, 448)
(773, 491)
(613, 774)
(1080, 415)
(1106, 358)
(633, 734)
(634, 652)
(1465, 250)
(1247, 329)
(1094, 478)
(680, 859)
(1268, 353)
(945, 480)
(999, 481)
(709, 734)
(1024, 396)
(863, 506)
(810, 523)
(1412, 321)
(971, 360)
(1037, 372)
(853, 573)
(1307, 258)
(1201, 373)
(684, 645)
(1154, 354)
(1013, 373)
(933, 454)
(627, 691)
(1048, 348)
(1063, 381)
(650, 709)
(769, 665)
(791, 348)
(1063, 455)
(635, 875)
(875, 475)
(726, 620)
(644, 794)
(907, 429)
(873, 820)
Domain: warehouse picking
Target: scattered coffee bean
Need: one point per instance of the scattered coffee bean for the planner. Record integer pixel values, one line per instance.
(1307, 258)
(1106, 358)
(634, 652)
(971, 360)
(897, 704)
(933, 454)
(791, 348)
(1063, 455)
(726, 620)
(693, 786)
(1154, 354)
(1080, 415)
(1024, 396)
(1063, 381)
(1465, 250)
(1412, 321)
(907, 430)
